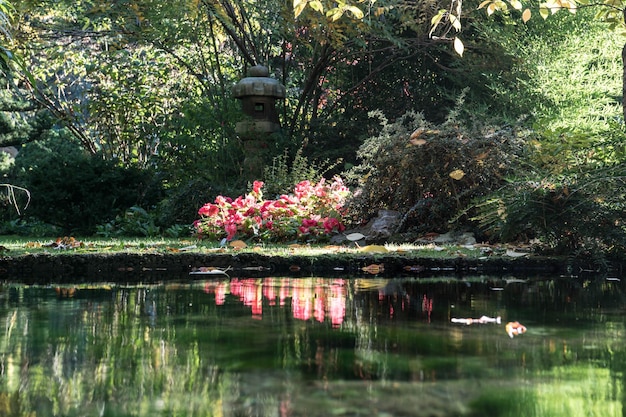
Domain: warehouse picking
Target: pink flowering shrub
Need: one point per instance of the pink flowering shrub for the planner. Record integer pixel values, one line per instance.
(312, 213)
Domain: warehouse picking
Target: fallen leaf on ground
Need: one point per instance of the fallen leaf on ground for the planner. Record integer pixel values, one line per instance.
(374, 249)
(514, 254)
(237, 244)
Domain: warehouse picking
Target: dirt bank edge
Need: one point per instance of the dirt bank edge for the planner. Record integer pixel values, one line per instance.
(158, 267)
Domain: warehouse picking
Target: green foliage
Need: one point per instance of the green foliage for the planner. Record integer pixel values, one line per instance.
(431, 172)
(285, 172)
(76, 191)
(134, 222)
(577, 212)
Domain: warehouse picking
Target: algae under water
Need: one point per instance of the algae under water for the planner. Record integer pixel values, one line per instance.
(314, 347)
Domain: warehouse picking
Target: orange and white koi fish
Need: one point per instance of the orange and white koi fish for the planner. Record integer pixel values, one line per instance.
(514, 328)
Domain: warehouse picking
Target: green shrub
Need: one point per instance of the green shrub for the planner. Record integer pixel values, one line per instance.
(576, 213)
(430, 172)
(76, 191)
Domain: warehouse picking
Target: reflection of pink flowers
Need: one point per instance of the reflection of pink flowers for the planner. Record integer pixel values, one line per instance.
(309, 298)
(312, 213)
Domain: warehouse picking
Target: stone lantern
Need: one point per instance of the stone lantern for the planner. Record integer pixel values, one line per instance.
(258, 93)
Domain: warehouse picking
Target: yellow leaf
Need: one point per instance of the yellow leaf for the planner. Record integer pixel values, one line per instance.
(335, 14)
(456, 23)
(298, 6)
(458, 46)
(434, 22)
(317, 6)
(491, 8)
(526, 15)
(516, 4)
(544, 11)
(484, 3)
(457, 174)
(374, 249)
(356, 12)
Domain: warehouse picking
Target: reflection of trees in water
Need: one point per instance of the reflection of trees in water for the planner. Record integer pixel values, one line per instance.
(184, 348)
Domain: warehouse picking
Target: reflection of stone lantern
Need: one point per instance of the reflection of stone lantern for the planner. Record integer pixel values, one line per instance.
(258, 94)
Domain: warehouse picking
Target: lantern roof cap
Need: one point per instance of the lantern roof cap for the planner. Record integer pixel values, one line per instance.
(258, 83)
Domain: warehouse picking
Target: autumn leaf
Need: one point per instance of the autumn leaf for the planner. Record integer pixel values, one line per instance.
(457, 174)
(526, 15)
(374, 269)
(298, 6)
(374, 249)
(238, 244)
(418, 142)
(458, 46)
(417, 133)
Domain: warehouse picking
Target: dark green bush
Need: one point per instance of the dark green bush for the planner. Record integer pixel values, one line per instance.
(76, 191)
(428, 172)
(575, 213)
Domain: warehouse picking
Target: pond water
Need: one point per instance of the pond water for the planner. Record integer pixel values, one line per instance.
(314, 347)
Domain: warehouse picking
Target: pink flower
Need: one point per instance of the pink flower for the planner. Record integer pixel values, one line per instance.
(256, 186)
(302, 189)
(221, 201)
(208, 210)
(231, 230)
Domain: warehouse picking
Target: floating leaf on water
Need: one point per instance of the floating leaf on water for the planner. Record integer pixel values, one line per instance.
(238, 244)
(414, 268)
(352, 237)
(294, 268)
(374, 268)
(374, 249)
(457, 174)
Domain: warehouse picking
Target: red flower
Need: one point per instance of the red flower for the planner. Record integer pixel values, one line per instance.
(331, 223)
(309, 223)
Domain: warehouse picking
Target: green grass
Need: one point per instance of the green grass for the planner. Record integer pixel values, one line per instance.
(17, 245)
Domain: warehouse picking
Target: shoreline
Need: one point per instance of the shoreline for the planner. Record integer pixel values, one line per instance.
(132, 268)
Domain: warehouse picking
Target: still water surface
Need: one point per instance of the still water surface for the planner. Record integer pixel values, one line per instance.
(314, 347)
